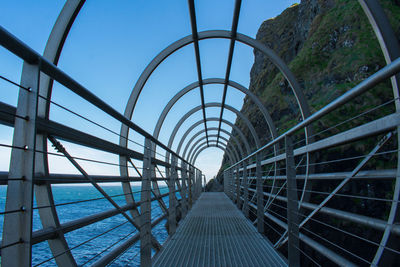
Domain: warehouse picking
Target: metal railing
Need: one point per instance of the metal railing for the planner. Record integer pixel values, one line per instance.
(30, 184)
(326, 208)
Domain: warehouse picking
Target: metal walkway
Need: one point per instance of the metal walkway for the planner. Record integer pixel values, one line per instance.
(216, 233)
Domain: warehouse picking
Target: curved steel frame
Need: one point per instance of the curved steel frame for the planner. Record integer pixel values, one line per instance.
(195, 109)
(43, 193)
(209, 140)
(233, 84)
(198, 151)
(49, 217)
(214, 129)
(233, 126)
(391, 50)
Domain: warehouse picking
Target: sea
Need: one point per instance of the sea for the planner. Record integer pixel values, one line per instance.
(91, 242)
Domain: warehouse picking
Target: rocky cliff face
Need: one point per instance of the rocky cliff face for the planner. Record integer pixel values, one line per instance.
(330, 47)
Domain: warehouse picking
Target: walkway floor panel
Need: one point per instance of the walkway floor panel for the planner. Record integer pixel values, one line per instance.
(216, 233)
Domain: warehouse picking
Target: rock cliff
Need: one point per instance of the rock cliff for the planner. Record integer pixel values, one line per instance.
(330, 47)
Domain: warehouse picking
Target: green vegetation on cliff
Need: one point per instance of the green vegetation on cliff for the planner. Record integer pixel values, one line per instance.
(330, 47)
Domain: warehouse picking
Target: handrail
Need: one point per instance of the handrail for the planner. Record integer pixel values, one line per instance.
(383, 74)
(20, 49)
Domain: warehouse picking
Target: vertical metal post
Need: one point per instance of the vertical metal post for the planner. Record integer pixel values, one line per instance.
(195, 184)
(237, 187)
(184, 195)
(172, 196)
(204, 181)
(17, 230)
(231, 184)
(292, 206)
(246, 190)
(260, 195)
(190, 191)
(145, 208)
(225, 183)
(198, 183)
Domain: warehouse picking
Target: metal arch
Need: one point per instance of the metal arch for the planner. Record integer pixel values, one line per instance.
(237, 129)
(212, 135)
(233, 84)
(269, 53)
(235, 21)
(391, 50)
(193, 24)
(43, 193)
(195, 109)
(220, 147)
(214, 129)
(208, 145)
(199, 150)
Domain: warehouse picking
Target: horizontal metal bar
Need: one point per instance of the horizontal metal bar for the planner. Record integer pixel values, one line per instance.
(48, 233)
(7, 114)
(338, 259)
(381, 75)
(78, 179)
(362, 175)
(20, 49)
(75, 136)
(78, 137)
(353, 217)
(106, 259)
(375, 127)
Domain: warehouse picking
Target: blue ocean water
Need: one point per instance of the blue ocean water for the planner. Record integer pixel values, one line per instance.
(83, 243)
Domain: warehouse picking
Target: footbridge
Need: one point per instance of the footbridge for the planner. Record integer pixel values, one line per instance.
(319, 192)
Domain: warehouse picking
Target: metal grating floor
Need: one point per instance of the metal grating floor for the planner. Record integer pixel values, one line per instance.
(216, 233)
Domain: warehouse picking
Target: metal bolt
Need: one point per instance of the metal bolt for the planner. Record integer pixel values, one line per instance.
(29, 89)
(26, 147)
(23, 208)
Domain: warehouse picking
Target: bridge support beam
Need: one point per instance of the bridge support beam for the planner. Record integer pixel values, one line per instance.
(17, 230)
(246, 190)
(184, 206)
(172, 196)
(190, 187)
(260, 195)
(237, 187)
(292, 206)
(145, 208)
(198, 183)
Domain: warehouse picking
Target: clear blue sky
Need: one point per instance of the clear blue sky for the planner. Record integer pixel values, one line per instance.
(110, 44)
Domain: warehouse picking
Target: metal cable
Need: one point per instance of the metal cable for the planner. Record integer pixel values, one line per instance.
(351, 196)
(87, 200)
(11, 244)
(22, 209)
(110, 246)
(274, 229)
(305, 254)
(16, 84)
(90, 239)
(15, 115)
(93, 122)
(350, 119)
(60, 155)
(337, 246)
(340, 231)
(350, 234)
(353, 158)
